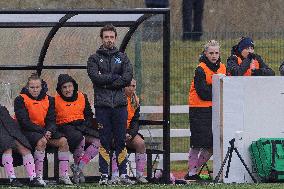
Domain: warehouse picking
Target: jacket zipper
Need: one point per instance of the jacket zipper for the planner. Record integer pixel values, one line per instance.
(112, 103)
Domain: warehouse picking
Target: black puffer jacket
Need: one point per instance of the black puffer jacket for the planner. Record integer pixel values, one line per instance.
(234, 69)
(110, 71)
(10, 131)
(281, 69)
(22, 113)
(201, 117)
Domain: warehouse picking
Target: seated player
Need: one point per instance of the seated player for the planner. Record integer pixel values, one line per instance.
(12, 140)
(134, 140)
(74, 118)
(35, 113)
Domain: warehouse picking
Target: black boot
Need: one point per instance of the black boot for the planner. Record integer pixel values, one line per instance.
(192, 177)
(36, 183)
(16, 183)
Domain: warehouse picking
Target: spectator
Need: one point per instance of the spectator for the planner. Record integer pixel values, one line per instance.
(134, 140)
(35, 113)
(110, 71)
(11, 138)
(244, 62)
(200, 108)
(157, 3)
(281, 69)
(192, 8)
(74, 118)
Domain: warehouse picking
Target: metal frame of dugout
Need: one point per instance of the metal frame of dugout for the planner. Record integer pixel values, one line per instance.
(57, 19)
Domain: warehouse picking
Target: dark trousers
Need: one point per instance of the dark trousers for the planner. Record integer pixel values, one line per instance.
(157, 4)
(111, 122)
(192, 8)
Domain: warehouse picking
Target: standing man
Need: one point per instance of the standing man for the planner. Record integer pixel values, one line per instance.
(192, 15)
(110, 72)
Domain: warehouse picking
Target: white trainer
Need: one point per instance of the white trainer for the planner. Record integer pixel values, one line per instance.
(115, 180)
(41, 181)
(141, 180)
(104, 180)
(65, 180)
(124, 179)
(82, 177)
(76, 173)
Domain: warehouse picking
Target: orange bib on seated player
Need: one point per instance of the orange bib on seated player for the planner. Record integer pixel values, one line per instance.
(253, 65)
(67, 112)
(193, 99)
(37, 109)
(131, 110)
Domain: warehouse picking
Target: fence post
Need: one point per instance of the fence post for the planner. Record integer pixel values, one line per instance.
(138, 69)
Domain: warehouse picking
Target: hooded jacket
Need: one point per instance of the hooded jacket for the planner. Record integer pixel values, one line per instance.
(86, 115)
(22, 113)
(240, 66)
(110, 71)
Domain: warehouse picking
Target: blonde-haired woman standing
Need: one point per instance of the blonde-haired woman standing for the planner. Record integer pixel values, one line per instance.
(200, 108)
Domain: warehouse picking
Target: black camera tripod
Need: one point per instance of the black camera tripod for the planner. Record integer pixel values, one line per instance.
(229, 154)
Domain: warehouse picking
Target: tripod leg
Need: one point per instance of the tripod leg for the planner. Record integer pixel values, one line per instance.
(245, 165)
(222, 166)
(201, 168)
(229, 162)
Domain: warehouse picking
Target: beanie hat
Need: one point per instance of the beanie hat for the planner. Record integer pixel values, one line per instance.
(245, 43)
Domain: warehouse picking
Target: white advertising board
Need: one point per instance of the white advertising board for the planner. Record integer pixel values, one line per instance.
(245, 108)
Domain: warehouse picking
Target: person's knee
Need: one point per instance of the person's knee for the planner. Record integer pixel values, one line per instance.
(97, 142)
(63, 144)
(41, 144)
(138, 144)
(22, 149)
(8, 151)
(140, 147)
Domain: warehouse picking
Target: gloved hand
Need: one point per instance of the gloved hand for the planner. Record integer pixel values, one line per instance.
(251, 56)
(115, 77)
(256, 72)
